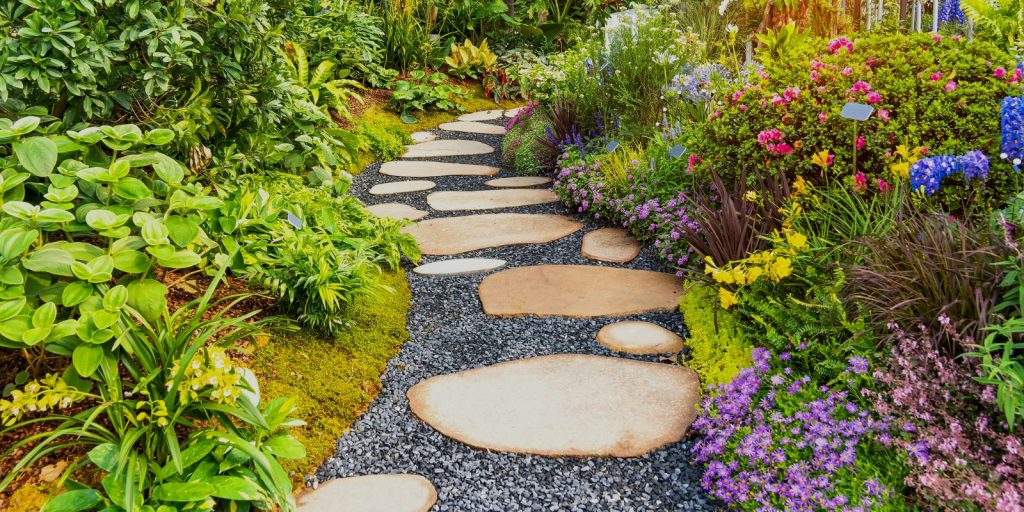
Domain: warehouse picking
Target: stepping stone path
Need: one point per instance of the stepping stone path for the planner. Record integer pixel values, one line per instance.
(459, 267)
(483, 115)
(490, 199)
(456, 235)
(435, 169)
(512, 112)
(371, 493)
(473, 127)
(518, 181)
(612, 245)
(418, 137)
(397, 211)
(402, 187)
(643, 338)
(447, 147)
(566, 404)
(578, 291)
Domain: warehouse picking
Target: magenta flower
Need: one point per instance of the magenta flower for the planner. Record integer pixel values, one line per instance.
(883, 186)
(822, 117)
(791, 93)
(936, 76)
(860, 182)
(874, 97)
(847, 71)
(860, 87)
(950, 86)
(999, 72)
(884, 115)
(742, 107)
(861, 142)
(840, 43)
(936, 37)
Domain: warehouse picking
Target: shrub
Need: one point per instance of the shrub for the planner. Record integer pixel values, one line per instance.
(422, 92)
(470, 61)
(338, 32)
(385, 143)
(717, 348)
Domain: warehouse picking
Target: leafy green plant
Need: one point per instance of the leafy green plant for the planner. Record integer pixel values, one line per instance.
(1003, 19)
(385, 143)
(422, 92)
(1000, 360)
(717, 347)
(321, 86)
(469, 60)
(776, 43)
(407, 28)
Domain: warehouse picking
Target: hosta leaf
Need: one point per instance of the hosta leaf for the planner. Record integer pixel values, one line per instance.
(38, 155)
(73, 501)
(86, 358)
(184, 491)
(75, 293)
(148, 297)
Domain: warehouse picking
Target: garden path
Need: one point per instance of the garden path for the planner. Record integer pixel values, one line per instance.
(503, 399)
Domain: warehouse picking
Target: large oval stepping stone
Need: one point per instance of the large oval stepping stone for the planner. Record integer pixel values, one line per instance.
(371, 493)
(397, 211)
(558, 405)
(518, 181)
(448, 147)
(459, 267)
(402, 187)
(642, 338)
(512, 112)
(578, 291)
(489, 199)
(435, 169)
(418, 137)
(483, 115)
(473, 127)
(613, 245)
(456, 235)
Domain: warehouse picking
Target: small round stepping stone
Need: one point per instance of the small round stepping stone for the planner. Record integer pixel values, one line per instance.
(459, 267)
(402, 187)
(448, 147)
(642, 338)
(489, 199)
(396, 211)
(473, 127)
(418, 137)
(483, 115)
(612, 245)
(512, 112)
(435, 169)
(456, 235)
(580, 291)
(518, 181)
(371, 493)
(562, 405)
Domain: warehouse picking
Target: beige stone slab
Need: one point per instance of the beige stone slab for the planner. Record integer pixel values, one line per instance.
(459, 267)
(398, 211)
(562, 405)
(402, 187)
(483, 115)
(578, 291)
(473, 127)
(632, 337)
(418, 137)
(456, 235)
(435, 169)
(613, 245)
(371, 493)
(512, 112)
(518, 181)
(447, 147)
(489, 199)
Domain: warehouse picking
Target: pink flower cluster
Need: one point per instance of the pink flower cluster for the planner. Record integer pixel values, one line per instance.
(1014, 77)
(788, 95)
(862, 87)
(840, 43)
(774, 142)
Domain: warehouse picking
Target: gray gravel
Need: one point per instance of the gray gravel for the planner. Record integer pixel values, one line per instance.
(450, 333)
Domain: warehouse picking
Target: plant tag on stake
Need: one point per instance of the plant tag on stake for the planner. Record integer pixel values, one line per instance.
(294, 220)
(612, 146)
(857, 111)
(676, 151)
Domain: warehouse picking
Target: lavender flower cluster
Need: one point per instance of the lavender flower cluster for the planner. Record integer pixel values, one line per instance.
(772, 442)
(696, 83)
(927, 174)
(950, 12)
(1012, 129)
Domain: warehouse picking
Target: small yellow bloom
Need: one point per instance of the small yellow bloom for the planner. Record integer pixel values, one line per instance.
(796, 240)
(726, 298)
(780, 269)
(753, 274)
(751, 196)
(821, 159)
(799, 186)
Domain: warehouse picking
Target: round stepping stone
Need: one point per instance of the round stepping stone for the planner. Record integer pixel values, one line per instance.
(456, 235)
(402, 187)
(641, 338)
(397, 211)
(449, 147)
(459, 267)
(371, 493)
(562, 405)
(418, 137)
(512, 112)
(473, 127)
(483, 115)
(612, 245)
(435, 169)
(518, 181)
(580, 291)
(489, 199)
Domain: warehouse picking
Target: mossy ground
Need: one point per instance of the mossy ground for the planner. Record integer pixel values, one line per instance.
(334, 380)
(717, 348)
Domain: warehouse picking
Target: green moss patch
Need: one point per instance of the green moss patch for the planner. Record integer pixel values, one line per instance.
(334, 381)
(717, 348)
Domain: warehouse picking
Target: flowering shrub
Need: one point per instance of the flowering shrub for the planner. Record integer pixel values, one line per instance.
(926, 175)
(1012, 130)
(775, 264)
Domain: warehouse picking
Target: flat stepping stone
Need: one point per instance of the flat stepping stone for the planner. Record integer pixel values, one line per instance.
(518, 181)
(402, 187)
(456, 235)
(448, 147)
(643, 338)
(512, 112)
(435, 169)
(562, 405)
(473, 127)
(483, 115)
(371, 493)
(398, 211)
(459, 267)
(580, 291)
(418, 137)
(489, 199)
(612, 245)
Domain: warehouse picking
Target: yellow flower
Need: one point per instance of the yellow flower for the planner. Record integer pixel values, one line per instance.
(727, 298)
(799, 186)
(780, 268)
(796, 240)
(751, 196)
(753, 274)
(900, 169)
(821, 159)
(738, 275)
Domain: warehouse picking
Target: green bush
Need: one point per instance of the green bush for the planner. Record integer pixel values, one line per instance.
(717, 348)
(426, 92)
(385, 143)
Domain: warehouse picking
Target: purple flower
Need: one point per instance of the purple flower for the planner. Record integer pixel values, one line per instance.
(858, 365)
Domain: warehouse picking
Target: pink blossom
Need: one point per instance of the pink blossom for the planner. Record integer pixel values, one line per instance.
(742, 107)
(950, 86)
(847, 71)
(956, 37)
(1016, 77)
(822, 117)
(780, 149)
(772, 135)
(692, 162)
(874, 97)
(883, 115)
(763, 74)
(821, 89)
(860, 86)
(999, 72)
(791, 93)
(936, 76)
(860, 182)
(815, 75)
(778, 101)
(861, 142)
(840, 43)
(936, 37)
(883, 186)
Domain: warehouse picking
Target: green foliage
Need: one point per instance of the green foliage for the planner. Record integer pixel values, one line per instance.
(320, 86)
(717, 348)
(519, 147)
(342, 33)
(470, 61)
(407, 28)
(1003, 20)
(1002, 367)
(778, 43)
(422, 92)
(386, 143)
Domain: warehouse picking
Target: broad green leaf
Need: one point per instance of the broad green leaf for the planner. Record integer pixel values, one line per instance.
(236, 488)
(75, 293)
(38, 155)
(131, 189)
(11, 276)
(10, 308)
(73, 501)
(155, 233)
(285, 446)
(54, 216)
(148, 297)
(86, 359)
(115, 298)
(13, 328)
(182, 230)
(159, 136)
(131, 261)
(183, 491)
(179, 259)
(51, 261)
(25, 125)
(15, 241)
(44, 315)
(101, 219)
(104, 319)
